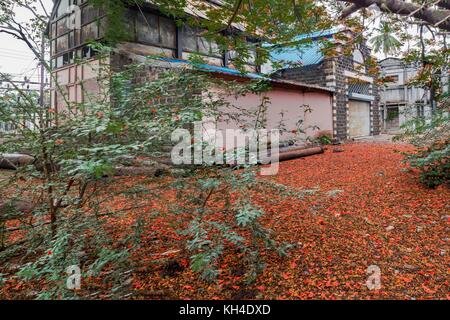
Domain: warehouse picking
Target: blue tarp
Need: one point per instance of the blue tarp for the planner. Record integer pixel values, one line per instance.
(210, 68)
(307, 53)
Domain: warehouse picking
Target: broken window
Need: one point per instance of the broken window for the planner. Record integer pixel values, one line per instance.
(62, 8)
(62, 43)
(89, 32)
(147, 28)
(88, 14)
(168, 32)
(87, 52)
(193, 41)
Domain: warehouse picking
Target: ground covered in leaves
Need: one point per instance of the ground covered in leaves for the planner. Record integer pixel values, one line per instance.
(366, 208)
(356, 208)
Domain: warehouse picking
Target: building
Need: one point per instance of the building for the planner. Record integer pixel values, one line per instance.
(154, 34)
(321, 59)
(399, 101)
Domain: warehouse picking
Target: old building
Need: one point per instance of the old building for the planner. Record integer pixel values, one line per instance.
(151, 33)
(399, 101)
(355, 102)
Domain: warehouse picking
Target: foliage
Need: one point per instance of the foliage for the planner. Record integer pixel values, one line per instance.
(432, 141)
(77, 152)
(75, 200)
(324, 137)
(385, 41)
(430, 134)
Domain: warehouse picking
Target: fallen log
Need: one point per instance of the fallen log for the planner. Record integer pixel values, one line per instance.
(153, 171)
(13, 161)
(295, 154)
(293, 148)
(16, 206)
(129, 161)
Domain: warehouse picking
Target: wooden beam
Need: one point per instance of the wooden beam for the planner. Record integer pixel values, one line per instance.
(179, 50)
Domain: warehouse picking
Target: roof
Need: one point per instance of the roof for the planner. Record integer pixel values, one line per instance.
(239, 74)
(199, 9)
(227, 72)
(391, 61)
(305, 49)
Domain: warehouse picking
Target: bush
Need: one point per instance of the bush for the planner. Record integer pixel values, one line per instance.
(324, 137)
(431, 139)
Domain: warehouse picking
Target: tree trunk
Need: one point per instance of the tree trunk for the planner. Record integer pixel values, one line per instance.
(13, 161)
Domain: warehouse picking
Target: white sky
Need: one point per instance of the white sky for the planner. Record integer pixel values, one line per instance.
(15, 57)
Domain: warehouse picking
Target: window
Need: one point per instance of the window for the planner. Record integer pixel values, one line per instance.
(88, 14)
(420, 111)
(66, 43)
(53, 30)
(168, 32)
(87, 52)
(156, 30)
(53, 47)
(62, 43)
(358, 61)
(89, 32)
(62, 26)
(194, 42)
(62, 8)
(63, 60)
(392, 78)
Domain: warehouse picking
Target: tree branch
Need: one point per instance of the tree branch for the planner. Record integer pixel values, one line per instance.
(43, 8)
(235, 13)
(435, 17)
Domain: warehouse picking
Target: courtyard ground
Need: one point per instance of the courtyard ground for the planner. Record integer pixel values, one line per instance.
(367, 209)
(364, 209)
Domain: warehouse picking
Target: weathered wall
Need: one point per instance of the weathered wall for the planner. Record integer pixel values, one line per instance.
(77, 83)
(291, 110)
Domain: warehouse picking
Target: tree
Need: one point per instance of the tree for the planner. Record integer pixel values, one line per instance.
(385, 41)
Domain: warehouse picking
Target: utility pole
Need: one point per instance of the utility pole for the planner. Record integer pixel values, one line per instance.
(42, 81)
(42, 85)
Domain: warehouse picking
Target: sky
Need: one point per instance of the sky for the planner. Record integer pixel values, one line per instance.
(15, 57)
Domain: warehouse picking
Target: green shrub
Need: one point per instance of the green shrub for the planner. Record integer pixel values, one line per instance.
(432, 150)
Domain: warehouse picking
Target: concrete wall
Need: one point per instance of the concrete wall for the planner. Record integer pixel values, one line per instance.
(291, 110)
(397, 94)
(78, 83)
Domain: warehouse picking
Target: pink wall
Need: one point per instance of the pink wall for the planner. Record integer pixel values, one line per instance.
(290, 106)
